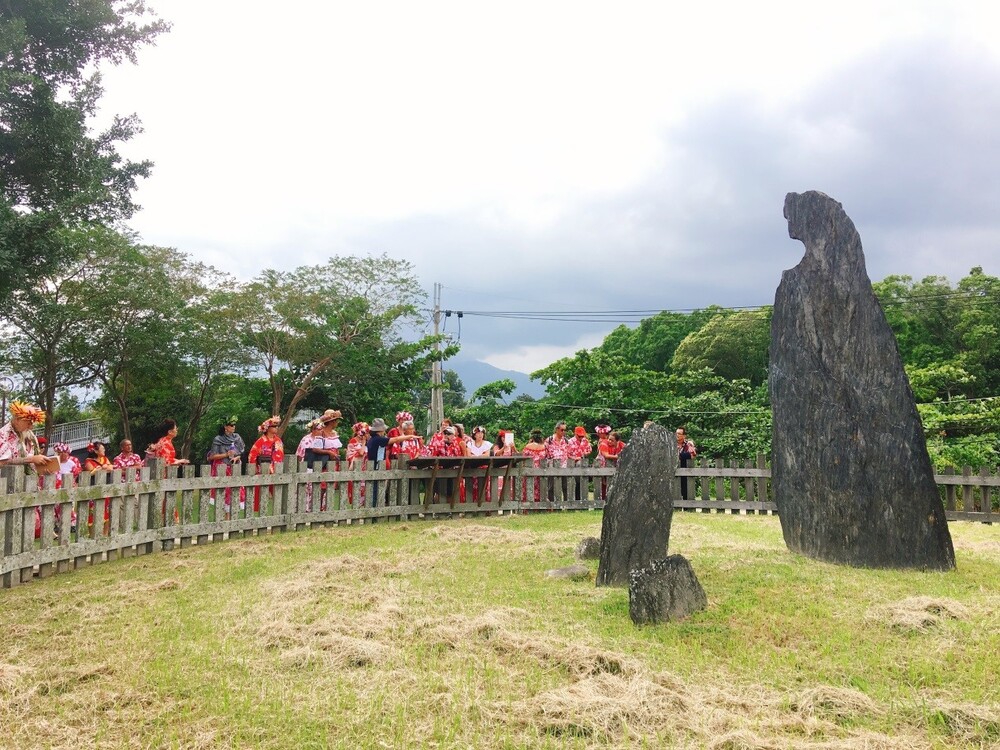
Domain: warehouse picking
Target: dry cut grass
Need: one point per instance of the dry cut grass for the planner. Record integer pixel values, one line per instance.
(448, 635)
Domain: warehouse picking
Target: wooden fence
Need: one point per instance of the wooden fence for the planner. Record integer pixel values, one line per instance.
(44, 530)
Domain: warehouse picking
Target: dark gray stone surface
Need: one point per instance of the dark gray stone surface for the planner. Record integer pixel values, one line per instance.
(589, 548)
(636, 524)
(664, 590)
(852, 479)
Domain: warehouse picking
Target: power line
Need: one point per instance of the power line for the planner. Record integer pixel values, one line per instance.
(638, 315)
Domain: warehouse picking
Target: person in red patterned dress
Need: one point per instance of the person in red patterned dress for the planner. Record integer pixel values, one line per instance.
(503, 449)
(447, 447)
(608, 449)
(267, 451)
(536, 450)
(401, 417)
(68, 464)
(357, 457)
(413, 446)
(128, 459)
(18, 444)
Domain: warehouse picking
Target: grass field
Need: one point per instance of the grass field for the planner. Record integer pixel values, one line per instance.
(447, 634)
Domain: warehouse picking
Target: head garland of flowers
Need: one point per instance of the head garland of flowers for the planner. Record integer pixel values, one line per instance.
(314, 424)
(61, 448)
(360, 428)
(268, 423)
(404, 416)
(92, 447)
(603, 429)
(21, 410)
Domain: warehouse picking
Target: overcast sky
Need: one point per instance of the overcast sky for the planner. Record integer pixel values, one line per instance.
(567, 155)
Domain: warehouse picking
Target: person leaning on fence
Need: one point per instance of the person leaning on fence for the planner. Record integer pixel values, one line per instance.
(326, 449)
(266, 452)
(357, 457)
(96, 464)
(304, 452)
(378, 444)
(685, 452)
(128, 459)
(225, 456)
(401, 417)
(447, 447)
(536, 450)
(18, 444)
(411, 447)
(68, 463)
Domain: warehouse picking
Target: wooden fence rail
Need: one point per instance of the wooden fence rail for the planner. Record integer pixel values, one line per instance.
(44, 530)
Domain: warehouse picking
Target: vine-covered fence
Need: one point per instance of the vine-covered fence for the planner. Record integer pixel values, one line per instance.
(44, 530)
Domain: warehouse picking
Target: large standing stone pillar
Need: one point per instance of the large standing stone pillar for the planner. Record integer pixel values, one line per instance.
(852, 479)
(635, 528)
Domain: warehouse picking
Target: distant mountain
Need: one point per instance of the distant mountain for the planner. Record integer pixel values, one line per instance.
(474, 374)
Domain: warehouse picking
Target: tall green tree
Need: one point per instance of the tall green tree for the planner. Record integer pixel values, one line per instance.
(651, 345)
(302, 323)
(55, 172)
(733, 345)
(55, 321)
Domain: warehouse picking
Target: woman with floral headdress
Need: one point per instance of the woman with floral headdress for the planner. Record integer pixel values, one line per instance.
(304, 452)
(267, 451)
(608, 449)
(401, 417)
(68, 463)
(412, 446)
(18, 444)
(536, 450)
(357, 457)
(97, 463)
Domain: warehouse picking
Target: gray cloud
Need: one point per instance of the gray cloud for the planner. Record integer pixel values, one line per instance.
(904, 139)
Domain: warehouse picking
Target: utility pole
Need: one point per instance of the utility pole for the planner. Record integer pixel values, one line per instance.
(437, 390)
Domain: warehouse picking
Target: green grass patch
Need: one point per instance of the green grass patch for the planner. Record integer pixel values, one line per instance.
(447, 634)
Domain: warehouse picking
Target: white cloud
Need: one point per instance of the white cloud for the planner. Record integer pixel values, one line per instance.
(531, 357)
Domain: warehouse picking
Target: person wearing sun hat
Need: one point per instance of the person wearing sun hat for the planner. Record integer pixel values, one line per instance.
(18, 444)
(378, 443)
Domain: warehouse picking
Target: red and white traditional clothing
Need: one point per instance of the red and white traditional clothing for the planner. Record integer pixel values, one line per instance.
(536, 453)
(557, 448)
(267, 451)
(579, 448)
(128, 461)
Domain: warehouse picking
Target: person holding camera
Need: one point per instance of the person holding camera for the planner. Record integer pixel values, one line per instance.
(685, 452)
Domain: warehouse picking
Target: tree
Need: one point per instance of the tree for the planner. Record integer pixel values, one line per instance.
(733, 345)
(652, 344)
(304, 321)
(55, 319)
(54, 172)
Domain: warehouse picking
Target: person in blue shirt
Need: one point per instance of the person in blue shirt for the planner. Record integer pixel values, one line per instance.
(378, 445)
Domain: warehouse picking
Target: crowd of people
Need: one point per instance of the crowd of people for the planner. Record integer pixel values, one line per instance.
(373, 445)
